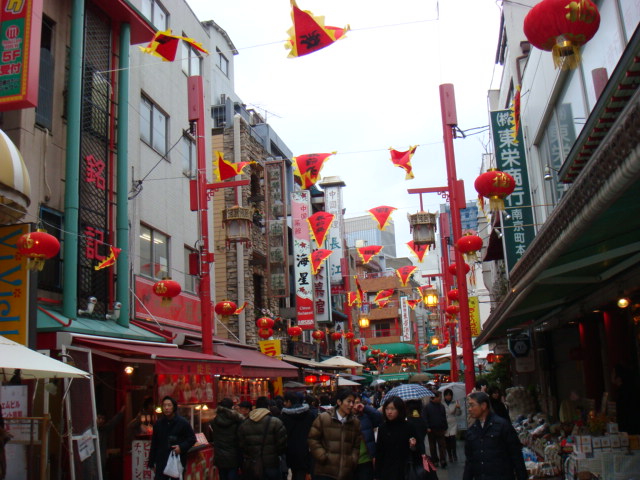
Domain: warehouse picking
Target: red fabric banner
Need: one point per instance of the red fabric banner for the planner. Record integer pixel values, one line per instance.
(309, 33)
(403, 160)
(382, 214)
(367, 253)
(319, 224)
(404, 273)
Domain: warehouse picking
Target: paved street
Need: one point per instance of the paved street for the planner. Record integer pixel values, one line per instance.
(454, 470)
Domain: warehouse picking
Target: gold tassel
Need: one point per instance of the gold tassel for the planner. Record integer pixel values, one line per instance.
(566, 55)
(496, 203)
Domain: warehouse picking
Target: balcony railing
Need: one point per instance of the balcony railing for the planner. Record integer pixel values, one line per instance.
(380, 332)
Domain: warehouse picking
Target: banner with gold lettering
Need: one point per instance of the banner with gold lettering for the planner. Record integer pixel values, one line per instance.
(474, 316)
(382, 214)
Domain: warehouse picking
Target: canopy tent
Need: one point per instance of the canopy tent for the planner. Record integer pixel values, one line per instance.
(343, 382)
(340, 362)
(33, 365)
(480, 352)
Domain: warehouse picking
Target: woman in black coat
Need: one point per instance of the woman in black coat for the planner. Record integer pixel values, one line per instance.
(396, 445)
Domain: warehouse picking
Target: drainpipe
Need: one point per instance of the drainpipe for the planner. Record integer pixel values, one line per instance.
(237, 157)
(72, 164)
(122, 203)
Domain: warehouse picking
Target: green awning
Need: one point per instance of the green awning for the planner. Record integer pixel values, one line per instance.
(394, 377)
(91, 326)
(444, 368)
(398, 348)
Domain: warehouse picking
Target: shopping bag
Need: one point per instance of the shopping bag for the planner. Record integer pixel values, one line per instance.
(174, 466)
(414, 471)
(427, 464)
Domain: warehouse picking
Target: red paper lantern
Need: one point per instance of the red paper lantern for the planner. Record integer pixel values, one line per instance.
(318, 335)
(375, 352)
(167, 289)
(294, 332)
(349, 336)
(452, 309)
(372, 360)
(225, 308)
(453, 269)
(364, 348)
(265, 322)
(469, 245)
(491, 357)
(37, 247)
(265, 333)
(495, 185)
(356, 341)
(335, 336)
(310, 379)
(562, 27)
(452, 295)
(324, 378)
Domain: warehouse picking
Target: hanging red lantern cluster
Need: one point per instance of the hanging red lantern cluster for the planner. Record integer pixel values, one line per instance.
(324, 378)
(335, 336)
(452, 309)
(37, 247)
(468, 245)
(265, 322)
(310, 379)
(318, 335)
(453, 268)
(349, 336)
(167, 289)
(496, 186)
(356, 341)
(562, 27)
(375, 351)
(364, 348)
(453, 295)
(225, 308)
(294, 332)
(265, 333)
(372, 360)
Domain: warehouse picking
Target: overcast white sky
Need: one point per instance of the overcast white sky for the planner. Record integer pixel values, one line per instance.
(377, 88)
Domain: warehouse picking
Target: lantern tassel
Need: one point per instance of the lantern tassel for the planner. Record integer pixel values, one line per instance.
(566, 55)
(470, 257)
(36, 263)
(496, 203)
(165, 302)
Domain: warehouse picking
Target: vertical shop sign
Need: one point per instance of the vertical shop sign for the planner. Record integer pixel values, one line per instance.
(300, 211)
(511, 158)
(474, 316)
(333, 205)
(271, 348)
(322, 302)
(406, 320)
(14, 286)
(276, 223)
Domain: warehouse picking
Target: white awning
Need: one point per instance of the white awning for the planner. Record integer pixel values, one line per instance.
(15, 186)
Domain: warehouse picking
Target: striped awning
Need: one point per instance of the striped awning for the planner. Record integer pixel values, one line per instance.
(15, 187)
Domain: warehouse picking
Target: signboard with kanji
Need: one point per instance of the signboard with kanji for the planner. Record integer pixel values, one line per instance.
(511, 158)
(20, 27)
(333, 205)
(277, 231)
(300, 211)
(474, 316)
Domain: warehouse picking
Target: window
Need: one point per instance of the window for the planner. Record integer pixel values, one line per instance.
(50, 278)
(223, 63)
(190, 281)
(154, 11)
(154, 253)
(44, 110)
(188, 156)
(381, 329)
(218, 113)
(190, 60)
(153, 126)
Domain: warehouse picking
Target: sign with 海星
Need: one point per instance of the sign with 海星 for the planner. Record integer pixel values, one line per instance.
(300, 211)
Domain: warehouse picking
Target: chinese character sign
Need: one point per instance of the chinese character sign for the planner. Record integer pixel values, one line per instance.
(474, 316)
(406, 320)
(20, 53)
(300, 211)
(276, 215)
(511, 158)
(333, 205)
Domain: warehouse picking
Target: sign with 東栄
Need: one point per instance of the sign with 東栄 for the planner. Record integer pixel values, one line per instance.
(333, 201)
(511, 158)
(300, 211)
(20, 28)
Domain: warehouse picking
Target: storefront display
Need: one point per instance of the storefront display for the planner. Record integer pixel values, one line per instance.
(241, 389)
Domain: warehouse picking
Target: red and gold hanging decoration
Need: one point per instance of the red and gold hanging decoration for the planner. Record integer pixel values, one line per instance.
(453, 295)
(418, 250)
(225, 308)
(453, 268)
(356, 297)
(381, 215)
(364, 348)
(265, 322)
(375, 351)
(319, 224)
(368, 252)
(294, 333)
(318, 335)
(413, 303)
(224, 170)
(383, 303)
(239, 310)
(114, 252)
(356, 341)
(37, 247)
(403, 160)
(452, 309)
(383, 295)
(562, 27)
(404, 273)
(317, 257)
(335, 336)
(165, 45)
(496, 186)
(265, 333)
(469, 245)
(166, 289)
(309, 33)
(310, 379)
(307, 168)
(349, 336)
(515, 113)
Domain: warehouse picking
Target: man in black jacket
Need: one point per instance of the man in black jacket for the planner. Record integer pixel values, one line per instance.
(297, 419)
(435, 415)
(223, 434)
(170, 433)
(492, 448)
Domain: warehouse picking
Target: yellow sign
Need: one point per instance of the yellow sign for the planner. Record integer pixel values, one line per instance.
(270, 347)
(474, 316)
(14, 286)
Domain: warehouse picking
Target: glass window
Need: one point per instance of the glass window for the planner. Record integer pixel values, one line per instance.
(153, 126)
(219, 115)
(190, 60)
(154, 11)
(188, 157)
(50, 278)
(223, 63)
(145, 119)
(154, 253)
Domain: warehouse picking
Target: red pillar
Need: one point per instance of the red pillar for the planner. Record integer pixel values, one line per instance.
(447, 283)
(457, 202)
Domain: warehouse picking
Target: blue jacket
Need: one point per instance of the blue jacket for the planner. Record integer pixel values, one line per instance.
(493, 452)
(369, 419)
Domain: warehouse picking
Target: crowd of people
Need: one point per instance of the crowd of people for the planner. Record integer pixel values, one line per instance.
(362, 436)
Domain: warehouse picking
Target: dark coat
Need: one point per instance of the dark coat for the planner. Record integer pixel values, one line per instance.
(297, 421)
(499, 408)
(262, 431)
(393, 451)
(493, 452)
(168, 432)
(223, 434)
(370, 419)
(436, 416)
(335, 446)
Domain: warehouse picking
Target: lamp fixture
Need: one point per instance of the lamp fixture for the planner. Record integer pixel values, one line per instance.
(91, 304)
(128, 369)
(115, 315)
(431, 297)
(548, 176)
(623, 302)
(363, 322)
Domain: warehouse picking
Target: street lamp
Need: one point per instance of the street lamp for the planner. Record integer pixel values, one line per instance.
(363, 322)
(431, 297)
(423, 227)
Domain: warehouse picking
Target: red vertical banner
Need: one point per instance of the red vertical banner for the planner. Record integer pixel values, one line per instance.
(300, 211)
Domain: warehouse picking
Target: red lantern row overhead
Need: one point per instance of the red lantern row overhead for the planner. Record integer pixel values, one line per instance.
(496, 186)
(468, 245)
(310, 379)
(167, 289)
(37, 247)
(265, 333)
(562, 27)
(225, 308)
(265, 322)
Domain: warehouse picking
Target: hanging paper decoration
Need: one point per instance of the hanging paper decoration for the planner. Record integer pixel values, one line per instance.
(37, 247)
(335, 336)
(265, 322)
(495, 185)
(352, 297)
(265, 333)
(319, 224)
(224, 170)
(110, 260)
(453, 295)
(403, 160)
(166, 289)
(165, 45)
(469, 245)
(368, 252)
(383, 295)
(318, 335)
(562, 27)
(225, 308)
(317, 257)
(349, 336)
(382, 214)
(294, 333)
(453, 268)
(307, 168)
(413, 303)
(452, 309)
(515, 113)
(418, 250)
(240, 309)
(383, 303)
(364, 348)
(356, 341)
(359, 290)
(404, 273)
(309, 33)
